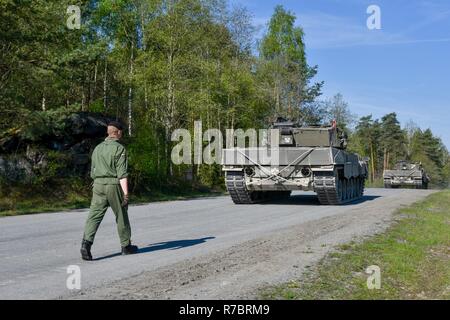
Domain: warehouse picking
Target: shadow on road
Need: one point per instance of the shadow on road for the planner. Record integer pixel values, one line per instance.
(364, 199)
(169, 245)
(174, 245)
(311, 200)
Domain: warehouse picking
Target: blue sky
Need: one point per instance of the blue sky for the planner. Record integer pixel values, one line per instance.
(402, 68)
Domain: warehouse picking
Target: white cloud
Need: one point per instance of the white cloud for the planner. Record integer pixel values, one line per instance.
(323, 31)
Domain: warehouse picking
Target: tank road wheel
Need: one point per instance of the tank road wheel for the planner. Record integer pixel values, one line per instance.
(340, 190)
(344, 185)
(361, 186)
(332, 190)
(349, 189)
(357, 187)
(352, 188)
(235, 182)
(345, 198)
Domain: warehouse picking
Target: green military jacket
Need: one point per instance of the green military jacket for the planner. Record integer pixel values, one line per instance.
(109, 162)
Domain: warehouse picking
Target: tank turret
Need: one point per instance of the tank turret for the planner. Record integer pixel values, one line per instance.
(291, 134)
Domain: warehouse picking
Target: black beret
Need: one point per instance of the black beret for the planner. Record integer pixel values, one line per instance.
(116, 124)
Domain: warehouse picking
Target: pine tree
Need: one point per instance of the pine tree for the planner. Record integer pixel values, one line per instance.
(392, 140)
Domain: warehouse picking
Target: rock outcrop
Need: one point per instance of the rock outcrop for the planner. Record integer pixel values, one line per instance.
(62, 149)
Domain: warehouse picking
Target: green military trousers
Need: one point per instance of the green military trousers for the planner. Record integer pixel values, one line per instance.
(104, 196)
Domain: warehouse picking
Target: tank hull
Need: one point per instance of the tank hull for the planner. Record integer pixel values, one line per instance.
(406, 174)
(255, 174)
(405, 178)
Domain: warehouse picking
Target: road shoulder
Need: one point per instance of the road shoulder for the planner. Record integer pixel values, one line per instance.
(411, 260)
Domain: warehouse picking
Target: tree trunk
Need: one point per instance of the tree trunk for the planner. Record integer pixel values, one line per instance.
(277, 97)
(388, 160)
(130, 92)
(144, 47)
(372, 158)
(170, 102)
(44, 108)
(94, 86)
(105, 84)
(83, 99)
(170, 108)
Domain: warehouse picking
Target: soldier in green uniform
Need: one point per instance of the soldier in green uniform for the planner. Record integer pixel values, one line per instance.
(109, 171)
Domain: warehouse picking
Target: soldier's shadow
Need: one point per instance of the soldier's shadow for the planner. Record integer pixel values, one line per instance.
(168, 245)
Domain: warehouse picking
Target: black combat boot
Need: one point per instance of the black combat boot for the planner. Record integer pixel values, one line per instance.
(129, 249)
(86, 250)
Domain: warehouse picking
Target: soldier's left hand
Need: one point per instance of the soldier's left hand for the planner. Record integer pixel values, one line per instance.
(125, 201)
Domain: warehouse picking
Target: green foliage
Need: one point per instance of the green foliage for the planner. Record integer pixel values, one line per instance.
(97, 106)
(43, 64)
(211, 175)
(337, 109)
(34, 126)
(161, 65)
(430, 150)
(446, 173)
(365, 141)
(392, 139)
(283, 70)
(147, 159)
(57, 164)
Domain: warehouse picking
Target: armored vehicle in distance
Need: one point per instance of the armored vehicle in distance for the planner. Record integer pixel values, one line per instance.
(305, 158)
(406, 174)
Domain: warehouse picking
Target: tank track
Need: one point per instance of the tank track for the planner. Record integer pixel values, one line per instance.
(235, 183)
(239, 193)
(330, 190)
(335, 191)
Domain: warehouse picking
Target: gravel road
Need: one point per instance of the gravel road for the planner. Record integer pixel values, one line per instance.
(205, 248)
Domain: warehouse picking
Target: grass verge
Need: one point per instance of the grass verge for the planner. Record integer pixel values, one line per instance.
(22, 203)
(413, 256)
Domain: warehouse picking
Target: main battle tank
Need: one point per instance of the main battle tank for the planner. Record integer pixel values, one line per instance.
(406, 174)
(305, 158)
